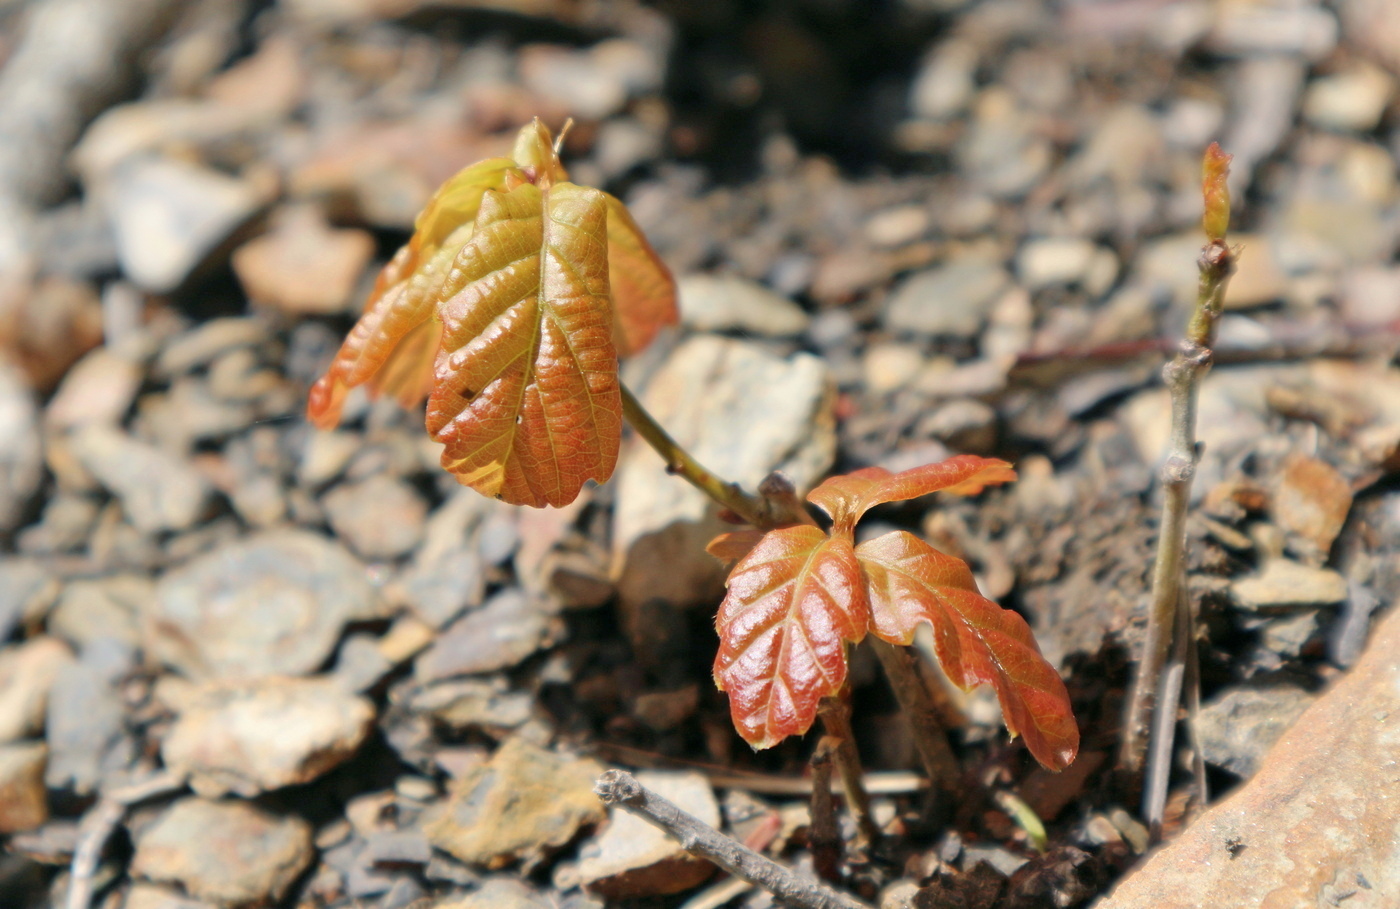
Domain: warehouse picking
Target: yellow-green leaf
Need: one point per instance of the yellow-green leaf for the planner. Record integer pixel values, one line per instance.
(526, 396)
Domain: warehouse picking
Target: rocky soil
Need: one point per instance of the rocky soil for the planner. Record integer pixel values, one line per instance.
(244, 663)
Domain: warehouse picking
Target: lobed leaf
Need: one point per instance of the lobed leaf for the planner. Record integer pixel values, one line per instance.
(977, 641)
(846, 498)
(526, 396)
(733, 546)
(643, 291)
(792, 603)
(1215, 173)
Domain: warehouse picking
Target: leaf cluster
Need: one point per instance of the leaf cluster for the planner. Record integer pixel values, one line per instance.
(798, 595)
(508, 310)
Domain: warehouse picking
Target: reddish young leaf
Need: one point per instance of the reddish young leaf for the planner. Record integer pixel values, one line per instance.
(643, 291)
(733, 546)
(793, 602)
(977, 641)
(526, 395)
(1215, 173)
(846, 498)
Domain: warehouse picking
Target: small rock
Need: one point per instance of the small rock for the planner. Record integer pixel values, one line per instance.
(501, 893)
(631, 858)
(397, 848)
(1295, 28)
(98, 389)
(890, 365)
(23, 798)
(1264, 93)
(1002, 153)
(380, 517)
(189, 413)
(897, 226)
(228, 853)
(26, 590)
(208, 342)
(447, 574)
(101, 608)
(1371, 297)
(1313, 501)
(464, 704)
(506, 630)
(1049, 261)
(247, 738)
(86, 720)
(945, 81)
(27, 673)
(150, 896)
(1315, 825)
(65, 526)
(170, 215)
(966, 424)
(1282, 585)
(1288, 635)
(593, 83)
(1353, 99)
(731, 303)
(303, 266)
(158, 492)
(954, 299)
(270, 604)
(524, 801)
(21, 456)
(1238, 728)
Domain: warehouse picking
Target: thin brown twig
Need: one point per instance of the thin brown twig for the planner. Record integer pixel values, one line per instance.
(823, 834)
(911, 690)
(835, 713)
(620, 788)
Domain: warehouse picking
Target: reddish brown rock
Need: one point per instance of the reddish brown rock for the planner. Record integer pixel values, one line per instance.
(1316, 826)
(303, 265)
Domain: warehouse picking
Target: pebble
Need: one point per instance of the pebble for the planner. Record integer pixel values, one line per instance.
(247, 738)
(23, 797)
(1370, 297)
(501, 893)
(204, 344)
(1264, 93)
(27, 673)
(1001, 152)
(26, 590)
(169, 215)
(1312, 501)
(380, 517)
(158, 492)
(273, 603)
(1050, 261)
(1302, 29)
(1238, 728)
(21, 455)
(524, 801)
(1353, 99)
(500, 634)
(303, 266)
(1284, 585)
(1316, 822)
(464, 704)
(945, 82)
(740, 411)
(631, 858)
(731, 303)
(86, 721)
(954, 299)
(890, 365)
(228, 853)
(100, 388)
(591, 83)
(151, 896)
(65, 526)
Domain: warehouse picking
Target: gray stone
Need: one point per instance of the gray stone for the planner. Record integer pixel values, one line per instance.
(151, 896)
(1048, 261)
(462, 704)
(23, 799)
(26, 588)
(1239, 727)
(273, 603)
(380, 517)
(732, 303)
(27, 673)
(524, 801)
(1352, 99)
(86, 722)
(98, 389)
(65, 526)
(247, 738)
(953, 299)
(506, 630)
(170, 215)
(227, 853)
(109, 607)
(1283, 585)
(158, 492)
(1302, 29)
(945, 81)
(631, 858)
(206, 343)
(21, 457)
(501, 893)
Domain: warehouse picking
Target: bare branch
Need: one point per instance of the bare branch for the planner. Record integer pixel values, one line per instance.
(620, 788)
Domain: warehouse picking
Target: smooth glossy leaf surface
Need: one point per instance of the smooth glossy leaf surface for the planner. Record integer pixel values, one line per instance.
(846, 498)
(643, 291)
(977, 641)
(793, 602)
(526, 395)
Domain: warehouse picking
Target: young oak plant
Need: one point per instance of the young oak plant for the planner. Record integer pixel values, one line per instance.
(798, 594)
(508, 311)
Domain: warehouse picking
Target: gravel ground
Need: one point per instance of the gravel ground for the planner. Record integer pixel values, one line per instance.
(248, 663)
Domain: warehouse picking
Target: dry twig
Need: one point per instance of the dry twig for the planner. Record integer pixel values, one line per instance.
(620, 788)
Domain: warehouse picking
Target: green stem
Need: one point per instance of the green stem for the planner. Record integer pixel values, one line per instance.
(764, 512)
